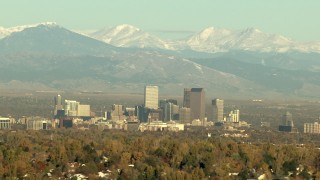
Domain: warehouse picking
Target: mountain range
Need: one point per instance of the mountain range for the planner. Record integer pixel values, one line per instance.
(209, 40)
(245, 64)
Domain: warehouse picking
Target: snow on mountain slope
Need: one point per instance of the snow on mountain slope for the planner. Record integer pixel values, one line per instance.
(210, 40)
(220, 40)
(49, 38)
(129, 36)
(4, 32)
(308, 47)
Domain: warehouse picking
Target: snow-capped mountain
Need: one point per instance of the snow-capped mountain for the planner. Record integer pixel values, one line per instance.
(57, 58)
(54, 57)
(209, 40)
(222, 40)
(129, 36)
(4, 32)
(50, 38)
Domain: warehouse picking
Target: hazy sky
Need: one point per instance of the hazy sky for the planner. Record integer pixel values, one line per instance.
(296, 19)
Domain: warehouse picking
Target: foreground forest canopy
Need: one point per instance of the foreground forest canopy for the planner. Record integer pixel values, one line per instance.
(158, 155)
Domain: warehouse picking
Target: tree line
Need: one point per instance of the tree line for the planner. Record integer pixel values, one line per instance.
(156, 155)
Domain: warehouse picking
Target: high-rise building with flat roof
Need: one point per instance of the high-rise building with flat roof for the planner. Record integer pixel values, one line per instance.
(217, 109)
(71, 107)
(151, 97)
(168, 108)
(57, 104)
(83, 110)
(287, 119)
(117, 112)
(184, 115)
(234, 116)
(197, 103)
(186, 97)
(287, 123)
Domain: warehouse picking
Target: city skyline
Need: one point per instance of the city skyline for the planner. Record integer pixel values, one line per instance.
(296, 20)
(168, 112)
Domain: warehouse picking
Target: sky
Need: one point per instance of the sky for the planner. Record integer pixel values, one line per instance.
(296, 19)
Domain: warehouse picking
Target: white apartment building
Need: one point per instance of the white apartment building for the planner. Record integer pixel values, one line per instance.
(313, 128)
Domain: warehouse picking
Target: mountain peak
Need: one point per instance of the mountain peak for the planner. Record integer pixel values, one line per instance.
(7, 31)
(252, 30)
(126, 35)
(50, 24)
(208, 29)
(126, 27)
(210, 32)
(206, 33)
(21, 28)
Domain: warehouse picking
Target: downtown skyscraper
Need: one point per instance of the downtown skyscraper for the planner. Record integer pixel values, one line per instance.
(57, 104)
(186, 97)
(197, 103)
(151, 97)
(217, 109)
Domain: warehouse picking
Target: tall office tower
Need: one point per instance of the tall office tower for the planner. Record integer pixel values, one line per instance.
(151, 97)
(83, 110)
(287, 123)
(234, 116)
(168, 108)
(287, 119)
(197, 103)
(184, 115)
(237, 115)
(117, 112)
(117, 109)
(186, 97)
(173, 101)
(71, 107)
(217, 109)
(57, 100)
(162, 103)
(57, 104)
(141, 113)
(175, 112)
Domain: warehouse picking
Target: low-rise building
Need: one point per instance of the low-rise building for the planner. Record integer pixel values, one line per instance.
(119, 125)
(161, 126)
(313, 128)
(37, 123)
(5, 123)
